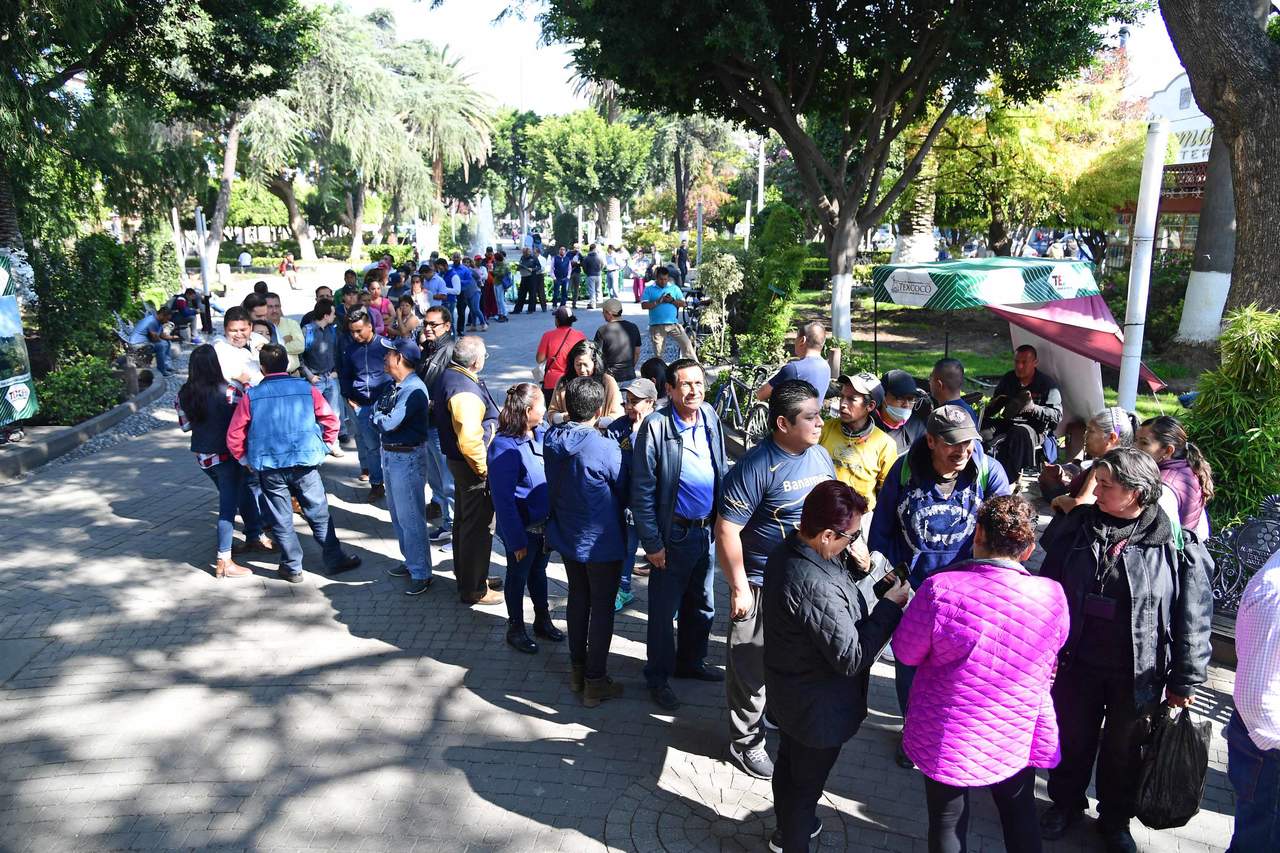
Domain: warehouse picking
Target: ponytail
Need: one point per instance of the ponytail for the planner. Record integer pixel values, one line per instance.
(1170, 432)
(1201, 468)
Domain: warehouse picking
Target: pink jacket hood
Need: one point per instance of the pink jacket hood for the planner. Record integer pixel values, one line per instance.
(985, 635)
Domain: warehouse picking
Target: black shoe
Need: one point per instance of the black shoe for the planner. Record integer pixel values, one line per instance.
(902, 759)
(349, 562)
(1117, 840)
(664, 697)
(1056, 820)
(291, 577)
(546, 629)
(775, 840)
(702, 673)
(494, 584)
(519, 640)
(400, 571)
(418, 586)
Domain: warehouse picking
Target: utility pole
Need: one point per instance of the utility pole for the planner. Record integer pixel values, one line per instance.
(1144, 230)
(760, 175)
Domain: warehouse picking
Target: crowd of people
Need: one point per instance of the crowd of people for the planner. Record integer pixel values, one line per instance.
(889, 526)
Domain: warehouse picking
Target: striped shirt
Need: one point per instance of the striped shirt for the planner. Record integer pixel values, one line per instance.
(1257, 690)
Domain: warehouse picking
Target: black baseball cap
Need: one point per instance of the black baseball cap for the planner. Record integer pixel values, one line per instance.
(899, 383)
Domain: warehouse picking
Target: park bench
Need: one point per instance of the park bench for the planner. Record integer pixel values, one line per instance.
(1238, 553)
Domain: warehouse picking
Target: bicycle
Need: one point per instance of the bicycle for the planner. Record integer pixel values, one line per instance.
(695, 301)
(736, 405)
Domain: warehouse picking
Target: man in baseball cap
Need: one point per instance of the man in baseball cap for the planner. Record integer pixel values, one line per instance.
(639, 398)
(401, 421)
(928, 508)
(897, 414)
(619, 342)
(861, 452)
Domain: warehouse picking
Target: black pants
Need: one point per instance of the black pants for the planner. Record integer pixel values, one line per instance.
(1097, 717)
(799, 775)
(531, 291)
(1014, 446)
(1015, 799)
(472, 539)
(592, 589)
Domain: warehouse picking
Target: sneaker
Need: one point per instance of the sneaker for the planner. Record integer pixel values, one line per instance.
(348, 562)
(665, 698)
(767, 722)
(440, 534)
(291, 577)
(400, 571)
(418, 586)
(754, 762)
(364, 475)
(336, 452)
(775, 840)
(622, 600)
(490, 598)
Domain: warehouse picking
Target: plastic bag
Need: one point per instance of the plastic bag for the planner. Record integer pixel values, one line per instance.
(1174, 763)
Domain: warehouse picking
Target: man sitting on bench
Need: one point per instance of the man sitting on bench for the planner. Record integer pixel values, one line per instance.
(1025, 407)
(149, 331)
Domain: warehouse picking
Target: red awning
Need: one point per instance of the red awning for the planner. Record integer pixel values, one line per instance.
(1083, 325)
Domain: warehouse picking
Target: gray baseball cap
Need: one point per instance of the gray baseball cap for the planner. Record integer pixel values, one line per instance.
(642, 388)
(952, 424)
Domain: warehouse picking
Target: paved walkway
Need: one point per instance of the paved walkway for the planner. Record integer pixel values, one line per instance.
(146, 705)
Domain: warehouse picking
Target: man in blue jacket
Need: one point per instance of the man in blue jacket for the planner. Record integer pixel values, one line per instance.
(561, 266)
(588, 487)
(677, 477)
(928, 508)
(363, 378)
(401, 418)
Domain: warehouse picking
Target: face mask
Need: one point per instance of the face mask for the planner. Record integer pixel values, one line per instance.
(898, 413)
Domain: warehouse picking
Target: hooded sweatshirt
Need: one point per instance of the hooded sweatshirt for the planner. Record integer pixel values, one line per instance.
(588, 488)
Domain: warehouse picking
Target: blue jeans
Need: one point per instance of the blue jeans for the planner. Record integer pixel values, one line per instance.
(629, 558)
(531, 572)
(684, 587)
(1255, 778)
(304, 483)
(369, 444)
(406, 475)
(234, 496)
(439, 479)
(560, 292)
(162, 355)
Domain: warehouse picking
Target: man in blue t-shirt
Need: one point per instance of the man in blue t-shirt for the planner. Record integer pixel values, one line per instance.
(150, 331)
(808, 364)
(662, 299)
(763, 496)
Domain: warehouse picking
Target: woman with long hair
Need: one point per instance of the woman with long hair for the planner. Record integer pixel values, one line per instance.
(1070, 485)
(518, 484)
(586, 359)
(205, 405)
(1183, 469)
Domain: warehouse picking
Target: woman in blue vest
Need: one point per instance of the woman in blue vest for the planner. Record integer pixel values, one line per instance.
(518, 483)
(205, 405)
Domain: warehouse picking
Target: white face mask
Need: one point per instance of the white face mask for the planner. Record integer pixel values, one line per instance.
(898, 413)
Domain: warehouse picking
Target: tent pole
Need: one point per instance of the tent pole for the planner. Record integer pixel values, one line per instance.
(946, 323)
(875, 333)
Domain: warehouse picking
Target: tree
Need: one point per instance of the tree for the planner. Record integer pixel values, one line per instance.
(1234, 69)
(838, 83)
(683, 146)
(580, 159)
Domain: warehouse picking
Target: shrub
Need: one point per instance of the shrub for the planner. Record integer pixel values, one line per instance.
(720, 277)
(814, 273)
(77, 389)
(653, 236)
(77, 291)
(1236, 417)
(158, 273)
(564, 228)
(400, 253)
(1168, 289)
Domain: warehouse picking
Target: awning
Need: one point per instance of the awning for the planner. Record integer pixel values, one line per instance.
(978, 282)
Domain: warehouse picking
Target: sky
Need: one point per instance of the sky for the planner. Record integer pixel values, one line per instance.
(507, 62)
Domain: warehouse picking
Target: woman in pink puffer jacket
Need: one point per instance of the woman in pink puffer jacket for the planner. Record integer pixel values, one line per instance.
(985, 635)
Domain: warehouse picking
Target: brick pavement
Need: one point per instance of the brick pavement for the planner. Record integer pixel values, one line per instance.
(150, 706)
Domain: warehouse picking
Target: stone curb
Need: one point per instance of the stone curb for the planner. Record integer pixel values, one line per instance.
(34, 454)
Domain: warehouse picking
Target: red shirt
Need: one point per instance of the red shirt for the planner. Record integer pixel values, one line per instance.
(553, 352)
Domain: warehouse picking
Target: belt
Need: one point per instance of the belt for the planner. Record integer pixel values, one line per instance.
(401, 448)
(691, 522)
(537, 528)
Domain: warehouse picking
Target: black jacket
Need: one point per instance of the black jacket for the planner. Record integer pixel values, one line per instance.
(819, 644)
(655, 472)
(434, 363)
(1045, 410)
(1171, 602)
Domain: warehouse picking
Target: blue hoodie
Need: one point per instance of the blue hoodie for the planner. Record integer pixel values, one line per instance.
(588, 489)
(518, 484)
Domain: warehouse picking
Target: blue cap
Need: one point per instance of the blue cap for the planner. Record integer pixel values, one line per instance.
(408, 349)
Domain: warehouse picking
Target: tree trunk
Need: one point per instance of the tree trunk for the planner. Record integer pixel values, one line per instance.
(282, 188)
(10, 231)
(1231, 65)
(1210, 280)
(682, 191)
(179, 249)
(915, 243)
(998, 239)
(842, 255)
(613, 220)
(213, 236)
(355, 209)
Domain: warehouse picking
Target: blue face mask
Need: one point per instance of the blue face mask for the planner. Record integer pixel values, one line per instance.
(898, 413)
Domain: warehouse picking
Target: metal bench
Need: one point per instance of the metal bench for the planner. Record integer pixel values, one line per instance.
(1237, 554)
(136, 355)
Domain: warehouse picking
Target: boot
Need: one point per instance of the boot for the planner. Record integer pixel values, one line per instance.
(576, 679)
(228, 569)
(545, 628)
(518, 639)
(599, 690)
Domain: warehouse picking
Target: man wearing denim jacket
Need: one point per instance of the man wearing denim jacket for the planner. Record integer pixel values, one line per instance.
(677, 478)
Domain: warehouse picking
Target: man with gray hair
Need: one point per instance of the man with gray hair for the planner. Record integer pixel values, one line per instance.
(466, 418)
(808, 364)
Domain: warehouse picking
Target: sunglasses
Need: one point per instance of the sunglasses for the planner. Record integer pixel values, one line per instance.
(845, 534)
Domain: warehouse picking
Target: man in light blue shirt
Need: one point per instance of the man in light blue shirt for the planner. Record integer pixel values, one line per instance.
(662, 299)
(149, 331)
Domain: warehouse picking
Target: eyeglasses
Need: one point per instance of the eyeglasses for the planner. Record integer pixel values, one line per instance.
(845, 534)
(434, 325)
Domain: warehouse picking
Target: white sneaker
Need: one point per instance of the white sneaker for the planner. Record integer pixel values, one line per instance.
(336, 451)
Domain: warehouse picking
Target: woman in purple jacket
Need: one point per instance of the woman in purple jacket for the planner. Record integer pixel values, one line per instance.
(985, 635)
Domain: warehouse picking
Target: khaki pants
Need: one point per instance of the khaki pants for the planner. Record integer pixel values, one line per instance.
(659, 333)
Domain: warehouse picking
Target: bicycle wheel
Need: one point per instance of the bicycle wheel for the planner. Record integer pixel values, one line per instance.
(724, 403)
(756, 428)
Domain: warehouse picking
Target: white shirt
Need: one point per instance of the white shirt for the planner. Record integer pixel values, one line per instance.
(245, 259)
(237, 360)
(1257, 690)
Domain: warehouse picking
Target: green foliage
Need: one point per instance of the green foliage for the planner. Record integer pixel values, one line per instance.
(1236, 417)
(76, 292)
(721, 278)
(157, 266)
(565, 229)
(1165, 295)
(79, 388)
(814, 273)
(400, 253)
(789, 230)
(251, 204)
(581, 159)
(651, 236)
(768, 301)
